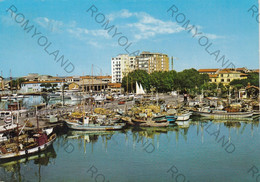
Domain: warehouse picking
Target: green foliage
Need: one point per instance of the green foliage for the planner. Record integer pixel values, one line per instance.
(49, 85)
(252, 78)
(46, 85)
(17, 83)
(139, 76)
(165, 81)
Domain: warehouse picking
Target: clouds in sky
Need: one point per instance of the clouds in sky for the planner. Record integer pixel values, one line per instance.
(137, 26)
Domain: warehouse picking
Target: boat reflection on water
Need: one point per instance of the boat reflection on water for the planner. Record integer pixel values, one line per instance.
(151, 135)
(237, 125)
(145, 135)
(90, 137)
(16, 168)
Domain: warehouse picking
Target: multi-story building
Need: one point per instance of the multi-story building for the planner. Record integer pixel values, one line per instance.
(91, 83)
(121, 66)
(224, 76)
(151, 62)
(208, 71)
(38, 86)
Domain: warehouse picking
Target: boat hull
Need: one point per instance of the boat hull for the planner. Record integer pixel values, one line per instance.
(29, 151)
(171, 119)
(8, 127)
(93, 127)
(232, 115)
(183, 117)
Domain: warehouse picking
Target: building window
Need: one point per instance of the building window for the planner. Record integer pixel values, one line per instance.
(222, 80)
(228, 80)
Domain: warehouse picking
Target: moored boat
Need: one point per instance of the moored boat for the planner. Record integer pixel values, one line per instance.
(37, 143)
(171, 118)
(160, 119)
(183, 117)
(94, 127)
(9, 127)
(150, 122)
(224, 114)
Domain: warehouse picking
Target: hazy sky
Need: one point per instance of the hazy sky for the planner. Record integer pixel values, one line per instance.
(144, 24)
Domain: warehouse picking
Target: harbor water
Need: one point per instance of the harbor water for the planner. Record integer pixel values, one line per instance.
(194, 151)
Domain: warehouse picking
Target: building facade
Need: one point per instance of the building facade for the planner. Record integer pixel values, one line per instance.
(91, 83)
(151, 62)
(38, 86)
(121, 66)
(224, 76)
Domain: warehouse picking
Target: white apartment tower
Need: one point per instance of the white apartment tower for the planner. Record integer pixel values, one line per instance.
(121, 66)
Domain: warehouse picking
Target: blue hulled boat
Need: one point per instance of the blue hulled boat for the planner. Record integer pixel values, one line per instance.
(171, 118)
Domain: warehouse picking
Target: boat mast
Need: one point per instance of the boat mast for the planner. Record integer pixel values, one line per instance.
(127, 84)
(3, 83)
(11, 83)
(62, 92)
(84, 110)
(92, 89)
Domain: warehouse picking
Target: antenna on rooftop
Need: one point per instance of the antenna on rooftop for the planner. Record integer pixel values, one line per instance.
(172, 60)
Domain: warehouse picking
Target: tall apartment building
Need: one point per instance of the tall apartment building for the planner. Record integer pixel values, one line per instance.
(121, 66)
(151, 62)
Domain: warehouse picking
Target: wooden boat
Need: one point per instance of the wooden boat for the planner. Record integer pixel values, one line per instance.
(94, 127)
(183, 117)
(225, 115)
(151, 122)
(160, 119)
(48, 153)
(9, 127)
(171, 118)
(154, 124)
(136, 120)
(37, 143)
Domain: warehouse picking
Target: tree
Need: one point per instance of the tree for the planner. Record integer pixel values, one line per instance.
(17, 83)
(165, 81)
(252, 79)
(139, 76)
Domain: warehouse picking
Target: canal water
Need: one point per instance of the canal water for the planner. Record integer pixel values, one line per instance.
(197, 151)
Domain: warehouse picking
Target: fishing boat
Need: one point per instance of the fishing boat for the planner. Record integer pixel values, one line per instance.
(171, 118)
(9, 126)
(46, 154)
(154, 124)
(160, 119)
(183, 116)
(136, 120)
(224, 114)
(4, 114)
(93, 123)
(26, 145)
(94, 127)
